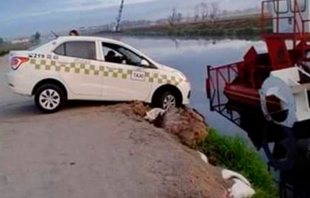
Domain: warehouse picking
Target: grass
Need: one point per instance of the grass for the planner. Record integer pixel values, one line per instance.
(3, 52)
(235, 154)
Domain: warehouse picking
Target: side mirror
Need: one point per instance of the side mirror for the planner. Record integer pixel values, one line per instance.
(145, 63)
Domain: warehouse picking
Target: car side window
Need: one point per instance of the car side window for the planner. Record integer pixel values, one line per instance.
(118, 54)
(77, 49)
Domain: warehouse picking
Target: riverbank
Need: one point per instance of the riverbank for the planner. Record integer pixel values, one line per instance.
(233, 27)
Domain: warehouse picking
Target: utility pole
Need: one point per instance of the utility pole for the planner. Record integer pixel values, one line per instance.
(118, 20)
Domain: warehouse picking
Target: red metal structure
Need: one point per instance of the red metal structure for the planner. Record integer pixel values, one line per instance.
(250, 73)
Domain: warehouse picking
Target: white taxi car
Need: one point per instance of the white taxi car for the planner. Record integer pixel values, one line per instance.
(93, 68)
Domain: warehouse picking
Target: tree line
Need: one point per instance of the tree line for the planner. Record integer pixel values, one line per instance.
(203, 12)
(33, 38)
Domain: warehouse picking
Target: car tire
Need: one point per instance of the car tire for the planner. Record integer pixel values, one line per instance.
(168, 100)
(49, 98)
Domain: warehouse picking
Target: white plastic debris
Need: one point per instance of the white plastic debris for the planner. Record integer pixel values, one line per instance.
(153, 114)
(241, 187)
(203, 157)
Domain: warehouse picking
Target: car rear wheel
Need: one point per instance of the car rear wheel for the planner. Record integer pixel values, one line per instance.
(49, 98)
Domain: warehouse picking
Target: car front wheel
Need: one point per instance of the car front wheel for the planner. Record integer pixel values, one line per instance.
(168, 100)
(49, 98)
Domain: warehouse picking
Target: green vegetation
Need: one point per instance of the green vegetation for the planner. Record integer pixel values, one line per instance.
(7, 47)
(234, 154)
(233, 27)
(195, 31)
(2, 53)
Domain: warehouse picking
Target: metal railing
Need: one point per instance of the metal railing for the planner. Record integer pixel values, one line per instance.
(217, 79)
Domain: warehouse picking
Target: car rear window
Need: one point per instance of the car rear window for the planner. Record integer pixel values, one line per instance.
(40, 45)
(77, 49)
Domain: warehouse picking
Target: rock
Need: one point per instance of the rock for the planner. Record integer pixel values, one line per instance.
(203, 157)
(241, 187)
(187, 124)
(152, 115)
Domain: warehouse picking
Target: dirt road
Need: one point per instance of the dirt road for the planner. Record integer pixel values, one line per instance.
(92, 151)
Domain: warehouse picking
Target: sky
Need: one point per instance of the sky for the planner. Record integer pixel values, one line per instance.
(25, 17)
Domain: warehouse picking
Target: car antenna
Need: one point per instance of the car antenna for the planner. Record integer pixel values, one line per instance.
(55, 34)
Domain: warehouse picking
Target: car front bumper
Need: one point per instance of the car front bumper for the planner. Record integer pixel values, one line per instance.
(186, 92)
